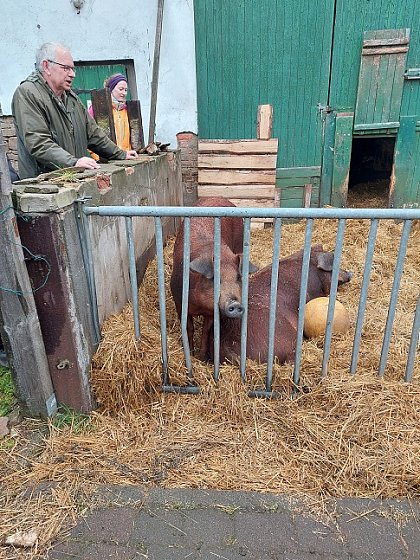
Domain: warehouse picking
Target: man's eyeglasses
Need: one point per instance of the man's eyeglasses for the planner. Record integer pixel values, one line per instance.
(66, 68)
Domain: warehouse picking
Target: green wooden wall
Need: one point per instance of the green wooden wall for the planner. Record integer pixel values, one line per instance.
(302, 56)
(251, 52)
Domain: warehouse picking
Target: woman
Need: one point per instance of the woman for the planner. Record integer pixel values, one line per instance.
(117, 86)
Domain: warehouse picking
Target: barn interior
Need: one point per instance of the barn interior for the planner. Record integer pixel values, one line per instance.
(370, 172)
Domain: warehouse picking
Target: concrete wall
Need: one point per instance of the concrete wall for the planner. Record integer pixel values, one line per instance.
(106, 30)
(49, 228)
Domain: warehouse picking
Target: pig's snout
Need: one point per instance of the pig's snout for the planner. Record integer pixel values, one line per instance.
(234, 309)
(345, 276)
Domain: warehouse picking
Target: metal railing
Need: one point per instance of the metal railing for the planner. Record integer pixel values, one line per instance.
(278, 215)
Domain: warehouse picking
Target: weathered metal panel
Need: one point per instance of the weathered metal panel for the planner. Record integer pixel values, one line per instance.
(381, 76)
(250, 53)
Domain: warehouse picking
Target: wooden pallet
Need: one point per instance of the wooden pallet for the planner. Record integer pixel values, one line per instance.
(244, 171)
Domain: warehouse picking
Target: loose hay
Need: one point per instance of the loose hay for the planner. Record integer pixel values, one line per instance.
(349, 436)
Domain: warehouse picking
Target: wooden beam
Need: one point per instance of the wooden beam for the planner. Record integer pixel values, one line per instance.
(136, 124)
(307, 194)
(237, 191)
(264, 122)
(19, 325)
(231, 161)
(235, 177)
(155, 75)
(102, 110)
(238, 146)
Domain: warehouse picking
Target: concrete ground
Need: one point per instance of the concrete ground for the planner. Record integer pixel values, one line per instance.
(174, 524)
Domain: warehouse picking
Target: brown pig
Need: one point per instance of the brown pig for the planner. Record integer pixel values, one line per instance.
(201, 295)
(287, 307)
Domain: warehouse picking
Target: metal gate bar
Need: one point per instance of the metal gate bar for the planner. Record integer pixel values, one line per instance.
(341, 214)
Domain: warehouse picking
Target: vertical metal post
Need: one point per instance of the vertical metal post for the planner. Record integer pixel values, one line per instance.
(216, 289)
(302, 300)
(244, 295)
(273, 303)
(84, 235)
(333, 294)
(394, 296)
(414, 343)
(363, 294)
(185, 297)
(133, 275)
(162, 298)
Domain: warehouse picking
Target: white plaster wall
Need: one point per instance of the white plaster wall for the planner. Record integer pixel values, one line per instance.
(107, 30)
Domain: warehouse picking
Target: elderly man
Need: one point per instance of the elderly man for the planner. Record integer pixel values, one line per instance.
(53, 127)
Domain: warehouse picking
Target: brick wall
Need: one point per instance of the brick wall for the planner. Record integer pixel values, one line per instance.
(9, 135)
(188, 146)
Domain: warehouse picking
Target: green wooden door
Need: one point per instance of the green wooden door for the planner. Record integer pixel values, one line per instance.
(92, 76)
(381, 79)
(249, 53)
(405, 182)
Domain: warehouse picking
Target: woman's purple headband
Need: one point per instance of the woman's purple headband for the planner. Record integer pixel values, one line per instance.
(112, 82)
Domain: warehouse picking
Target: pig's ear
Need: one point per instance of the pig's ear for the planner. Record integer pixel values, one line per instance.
(325, 261)
(252, 267)
(203, 266)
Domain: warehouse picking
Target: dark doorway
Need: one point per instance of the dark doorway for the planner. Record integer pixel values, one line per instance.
(370, 172)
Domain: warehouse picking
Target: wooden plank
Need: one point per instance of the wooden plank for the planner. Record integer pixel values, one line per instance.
(386, 42)
(235, 177)
(407, 150)
(341, 160)
(136, 124)
(253, 202)
(102, 109)
(238, 146)
(327, 160)
(230, 161)
(264, 122)
(19, 324)
(155, 74)
(293, 172)
(381, 51)
(237, 191)
(307, 194)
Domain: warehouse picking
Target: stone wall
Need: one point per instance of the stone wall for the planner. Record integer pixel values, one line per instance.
(9, 134)
(49, 227)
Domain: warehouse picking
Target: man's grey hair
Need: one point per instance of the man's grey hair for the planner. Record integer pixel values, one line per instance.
(48, 51)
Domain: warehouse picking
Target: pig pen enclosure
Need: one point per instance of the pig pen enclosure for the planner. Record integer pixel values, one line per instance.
(344, 435)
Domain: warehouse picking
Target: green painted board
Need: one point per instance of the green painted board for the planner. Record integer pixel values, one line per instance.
(341, 158)
(381, 77)
(405, 187)
(249, 53)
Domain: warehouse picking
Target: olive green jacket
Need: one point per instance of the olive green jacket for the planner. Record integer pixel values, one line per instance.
(54, 132)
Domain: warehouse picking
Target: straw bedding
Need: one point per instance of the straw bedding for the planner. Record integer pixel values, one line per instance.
(355, 436)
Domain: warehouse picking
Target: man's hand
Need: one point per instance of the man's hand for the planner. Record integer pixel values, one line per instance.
(87, 163)
(131, 154)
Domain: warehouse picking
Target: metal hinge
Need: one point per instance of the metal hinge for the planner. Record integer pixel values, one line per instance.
(412, 74)
(324, 108)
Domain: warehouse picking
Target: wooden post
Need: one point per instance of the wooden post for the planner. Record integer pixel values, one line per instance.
(136, 124)
(307, 194)
(155, 77)
(19, 325)
(102, 110)
(265, 122)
